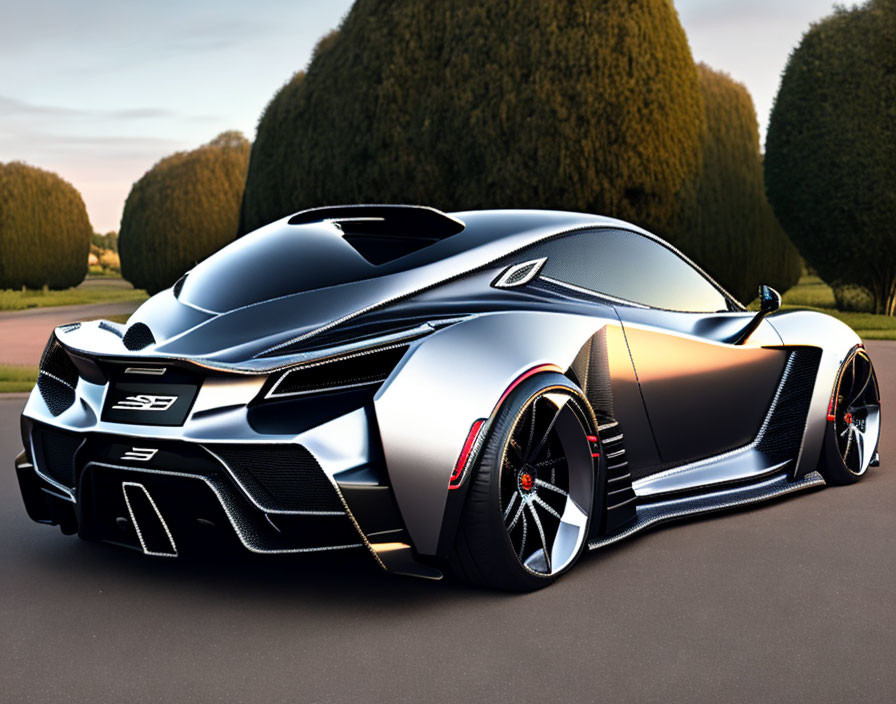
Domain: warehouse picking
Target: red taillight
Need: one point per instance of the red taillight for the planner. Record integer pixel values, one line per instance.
(830, 415)
(457, 476)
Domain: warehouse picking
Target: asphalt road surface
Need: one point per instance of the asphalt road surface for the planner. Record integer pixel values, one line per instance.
(793, 601)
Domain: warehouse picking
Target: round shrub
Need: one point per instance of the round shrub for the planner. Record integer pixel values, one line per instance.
(44, 229)
(181, 211)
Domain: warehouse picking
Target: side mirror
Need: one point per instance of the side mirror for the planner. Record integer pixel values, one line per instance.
(769, 302)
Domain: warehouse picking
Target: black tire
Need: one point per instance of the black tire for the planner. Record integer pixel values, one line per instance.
(484, 552)
(853, 428)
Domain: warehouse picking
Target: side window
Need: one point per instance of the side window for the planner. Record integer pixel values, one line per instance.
(630, 267)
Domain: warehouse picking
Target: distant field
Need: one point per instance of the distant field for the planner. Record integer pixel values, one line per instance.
(812, 292)
(17, 378)
(93, 290)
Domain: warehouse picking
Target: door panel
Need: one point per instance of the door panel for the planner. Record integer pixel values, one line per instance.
(604, 370)
(702, 397)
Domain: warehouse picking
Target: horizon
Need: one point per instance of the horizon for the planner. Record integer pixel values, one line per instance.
(101, 105)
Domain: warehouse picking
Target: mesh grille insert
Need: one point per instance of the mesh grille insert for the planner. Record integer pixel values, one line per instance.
(58, 377)
(280, 477)
(785, 429)
(138, 336)
(56, 454)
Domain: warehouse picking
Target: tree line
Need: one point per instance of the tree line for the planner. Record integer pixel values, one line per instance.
(590, 105)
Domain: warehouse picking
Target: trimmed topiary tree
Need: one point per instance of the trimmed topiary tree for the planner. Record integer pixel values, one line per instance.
(588, 105)
(44, 229)
(830, 160)
(727, 225)
(181, 211)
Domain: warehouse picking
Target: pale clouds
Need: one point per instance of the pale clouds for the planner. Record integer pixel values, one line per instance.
(99, 90)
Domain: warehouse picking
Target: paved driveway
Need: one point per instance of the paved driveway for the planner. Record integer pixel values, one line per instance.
(25, 332)
(794, 601)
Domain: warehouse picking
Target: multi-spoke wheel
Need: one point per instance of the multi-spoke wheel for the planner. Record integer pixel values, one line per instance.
(854, 421)
(526, 519)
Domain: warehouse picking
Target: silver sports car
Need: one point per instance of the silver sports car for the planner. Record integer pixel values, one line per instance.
(481, 393)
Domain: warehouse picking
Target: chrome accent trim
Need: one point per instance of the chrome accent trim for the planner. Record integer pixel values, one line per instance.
(56, 378)
(53, 493)
(52, 482)
(589, 292)
(230, 517)
(622, 503)
(151, 371)
(534, 266)
(127, 501)
(620, 478)
(661, 511)
(653, 484)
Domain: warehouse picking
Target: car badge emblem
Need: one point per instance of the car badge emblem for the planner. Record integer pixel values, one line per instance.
(139, 454)
(145, 402)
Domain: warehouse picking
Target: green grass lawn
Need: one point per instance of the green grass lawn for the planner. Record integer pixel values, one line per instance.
(104, 290)
(812, 292)
(17, 378)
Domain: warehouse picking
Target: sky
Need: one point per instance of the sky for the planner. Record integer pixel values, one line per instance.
(100, 90)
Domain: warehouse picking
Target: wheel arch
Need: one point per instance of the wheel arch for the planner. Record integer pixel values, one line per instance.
(454, 379)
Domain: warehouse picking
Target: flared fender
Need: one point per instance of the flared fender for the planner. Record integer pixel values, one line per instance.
(455, 377)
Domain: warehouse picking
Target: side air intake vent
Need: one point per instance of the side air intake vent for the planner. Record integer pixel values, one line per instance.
(519, 274)
(57, 377)
(360, 369)
(138, 336)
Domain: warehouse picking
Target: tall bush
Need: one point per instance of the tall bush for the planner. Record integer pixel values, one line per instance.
(728, 225)
(587, 105)
(44, 229)
(181, 211)
(830, 159)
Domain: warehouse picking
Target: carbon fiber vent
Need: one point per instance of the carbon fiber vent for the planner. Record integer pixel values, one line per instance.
(788, 421)
(359, 369)
(280, 477)
(57, 377)
(138, 337)
(56, 454)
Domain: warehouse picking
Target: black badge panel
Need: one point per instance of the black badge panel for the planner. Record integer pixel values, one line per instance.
(149, 404)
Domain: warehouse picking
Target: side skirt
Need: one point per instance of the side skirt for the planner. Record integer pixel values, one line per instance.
(651, 514)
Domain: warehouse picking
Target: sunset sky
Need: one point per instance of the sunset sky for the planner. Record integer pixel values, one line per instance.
(99, 90)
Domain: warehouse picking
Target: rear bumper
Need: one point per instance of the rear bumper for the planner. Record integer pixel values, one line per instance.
(171, 491)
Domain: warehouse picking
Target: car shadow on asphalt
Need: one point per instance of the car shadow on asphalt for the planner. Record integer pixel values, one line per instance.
(326, 579)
